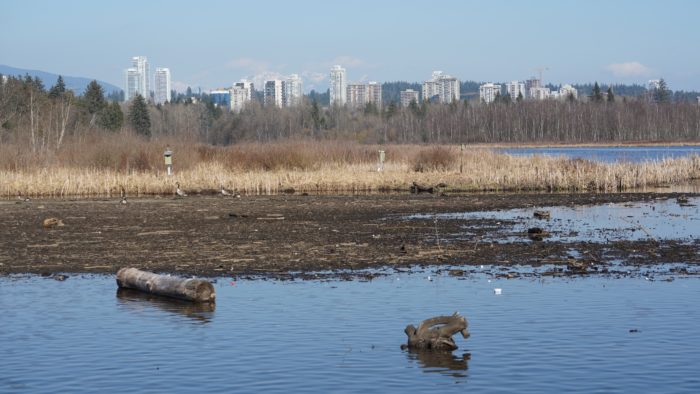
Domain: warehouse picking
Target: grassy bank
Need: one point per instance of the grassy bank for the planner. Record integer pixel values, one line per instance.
(104, 167)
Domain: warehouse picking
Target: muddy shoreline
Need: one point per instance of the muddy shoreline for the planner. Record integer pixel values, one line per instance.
(295, 235)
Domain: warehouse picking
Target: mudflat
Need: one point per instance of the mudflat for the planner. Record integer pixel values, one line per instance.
(287, 235)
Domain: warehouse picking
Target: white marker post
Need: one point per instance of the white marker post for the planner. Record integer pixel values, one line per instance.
(382, 156)
(168, 155)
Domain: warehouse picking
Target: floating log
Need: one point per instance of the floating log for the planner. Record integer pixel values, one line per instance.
(436, 333)
(416, 188)
(195, 290)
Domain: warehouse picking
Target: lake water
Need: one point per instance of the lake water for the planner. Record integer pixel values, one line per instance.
(610, 154)
(586, 334)
(660, 219)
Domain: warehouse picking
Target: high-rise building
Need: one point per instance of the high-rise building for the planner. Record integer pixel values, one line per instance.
(292, 91)
(338, 86)
(441, 88)
(374, 94)
(360, 94)
(137, 78)
(273, 93)
(239, 97)
(408, 96)
(248, 85)
(488, 92)
(356, 95)
(162, 85)
(531, 83)
(514, 89)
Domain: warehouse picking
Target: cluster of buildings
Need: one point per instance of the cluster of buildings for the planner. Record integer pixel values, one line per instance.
(530, 89)
(138, 81)
(441, 88)
(288, 91)
(354, 95)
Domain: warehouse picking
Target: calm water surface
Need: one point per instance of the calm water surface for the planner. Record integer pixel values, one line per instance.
(664, 219)
(591, 334)
(610, 154)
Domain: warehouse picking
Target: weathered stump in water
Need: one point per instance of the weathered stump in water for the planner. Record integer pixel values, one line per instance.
(196, 290)
(436, 333)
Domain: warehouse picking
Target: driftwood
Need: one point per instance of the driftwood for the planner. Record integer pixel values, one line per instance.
(196, 290)
(197, 311)
(416, 188)
(436, 333)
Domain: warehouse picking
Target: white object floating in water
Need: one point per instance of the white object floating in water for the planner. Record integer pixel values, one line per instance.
(429, 278)
(497, 291)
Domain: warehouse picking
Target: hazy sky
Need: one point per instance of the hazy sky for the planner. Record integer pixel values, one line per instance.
(211, 44)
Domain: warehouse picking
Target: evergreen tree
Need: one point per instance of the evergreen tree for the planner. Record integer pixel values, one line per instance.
(138, 116)
(611, 96)
(497, 99)
(390, 110)
(316, 116)
(94, 98)
(596, 96)
(662, 94)
(520, 97)
(571, 97)
(59, 89)
(112, 117)
(505, 99)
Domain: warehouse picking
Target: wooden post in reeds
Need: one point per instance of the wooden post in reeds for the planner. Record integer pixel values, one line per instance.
(195, 290)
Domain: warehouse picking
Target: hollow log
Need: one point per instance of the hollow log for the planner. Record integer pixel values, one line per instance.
(436, 333)
(195, 290)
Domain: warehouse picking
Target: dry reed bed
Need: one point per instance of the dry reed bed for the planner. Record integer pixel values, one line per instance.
(482, 170)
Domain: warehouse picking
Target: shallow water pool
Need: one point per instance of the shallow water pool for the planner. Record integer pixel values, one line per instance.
(540, 335)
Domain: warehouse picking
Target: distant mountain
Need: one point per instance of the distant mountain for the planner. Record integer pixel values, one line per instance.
(76, 84)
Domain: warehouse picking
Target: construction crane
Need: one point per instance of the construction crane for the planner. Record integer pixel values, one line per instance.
(540, 70)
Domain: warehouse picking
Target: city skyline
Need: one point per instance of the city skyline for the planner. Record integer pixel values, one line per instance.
(573, 42)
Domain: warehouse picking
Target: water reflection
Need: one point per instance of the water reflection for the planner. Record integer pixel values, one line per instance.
(137, 300)
(444, 363)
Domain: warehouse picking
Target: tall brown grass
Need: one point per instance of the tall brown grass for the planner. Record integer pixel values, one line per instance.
(100, 167)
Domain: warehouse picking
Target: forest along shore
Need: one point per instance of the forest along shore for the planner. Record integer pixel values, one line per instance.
(276, 235)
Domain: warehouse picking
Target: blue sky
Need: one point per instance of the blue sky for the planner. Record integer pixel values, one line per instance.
(211, 44)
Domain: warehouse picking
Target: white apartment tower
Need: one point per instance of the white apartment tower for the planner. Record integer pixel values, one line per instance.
(292, 91)
(356, 95)
(442, 88)
(338, 86)
(162, 85)
(273, 93)
(488, 92)
(408, 96)
(374, 94)
(360, 94)
(515, 88)
(239, 97)
(137, 78)
(248, 85)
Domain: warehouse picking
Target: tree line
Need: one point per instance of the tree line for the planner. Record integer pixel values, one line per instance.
(43, 118)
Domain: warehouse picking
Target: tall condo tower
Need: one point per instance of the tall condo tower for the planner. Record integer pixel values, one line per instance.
(137, 78)
(338, 86)
(162, 85)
